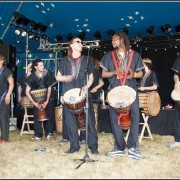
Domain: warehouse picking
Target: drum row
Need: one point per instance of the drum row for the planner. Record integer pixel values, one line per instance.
(120, 98)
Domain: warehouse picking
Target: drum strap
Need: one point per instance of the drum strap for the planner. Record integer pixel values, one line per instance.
(128, 66)
(120, 77)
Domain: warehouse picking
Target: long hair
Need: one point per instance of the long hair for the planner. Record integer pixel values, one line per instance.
(124, 38)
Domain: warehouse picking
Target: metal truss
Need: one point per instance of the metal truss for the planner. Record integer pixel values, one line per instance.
(55, 47)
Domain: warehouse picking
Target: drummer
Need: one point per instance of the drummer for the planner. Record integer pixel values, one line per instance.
(73, 72)
(123, 66)
(39, 79)
(149, 82)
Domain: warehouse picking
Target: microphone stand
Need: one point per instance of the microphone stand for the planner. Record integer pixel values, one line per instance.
(86, 157)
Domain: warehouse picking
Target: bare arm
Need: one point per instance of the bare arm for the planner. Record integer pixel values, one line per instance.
(64, 78)
(101, 83)
(10, 90)
(19, 93)
(176, 81)
(106, 74)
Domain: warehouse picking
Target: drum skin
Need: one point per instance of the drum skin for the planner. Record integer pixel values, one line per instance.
(150, 103)
(121, 98)
(175, 95)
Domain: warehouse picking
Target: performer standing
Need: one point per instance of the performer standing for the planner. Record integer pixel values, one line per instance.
(39, 79)
(115, 74)
(72, 73)
(6, 88)
(176, 69)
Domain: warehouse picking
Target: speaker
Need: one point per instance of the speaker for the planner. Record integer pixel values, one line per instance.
(9, 52)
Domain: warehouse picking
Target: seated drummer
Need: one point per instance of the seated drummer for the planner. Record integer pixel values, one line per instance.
(149, 82)
(39, 79)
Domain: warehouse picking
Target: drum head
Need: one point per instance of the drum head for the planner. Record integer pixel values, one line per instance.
(73, 96)
(175, 95)
(121, 96)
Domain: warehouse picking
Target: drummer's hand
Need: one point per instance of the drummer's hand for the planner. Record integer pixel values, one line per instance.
(37, 105)
(131, 74)
(177, 86)
(7, 99)
(69, 78)
(142, 88)
(44, 104)
(93, 90)
(84, 89)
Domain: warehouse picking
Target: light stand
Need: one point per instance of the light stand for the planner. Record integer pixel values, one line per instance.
(86, 157)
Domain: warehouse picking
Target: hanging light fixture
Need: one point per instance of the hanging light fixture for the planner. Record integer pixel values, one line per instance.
(166, 28)
(150, 30)
(17, 32)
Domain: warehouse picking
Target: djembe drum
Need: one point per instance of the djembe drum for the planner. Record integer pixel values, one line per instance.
(121, 98)
(175, 95)
(40, 95)
(150, 103)
(26, 103)
(75, 101)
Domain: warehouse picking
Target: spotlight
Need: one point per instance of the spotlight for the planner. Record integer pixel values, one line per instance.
(82, 35)
(34, 25)
(17, 32)
(125, 29)
(23, 33)
(165, 28)
(31, 36)
(177, 28)
(42, 27)
(70, 37)
(111, 32)
(59, 38)
(150, 30)
(97, 35)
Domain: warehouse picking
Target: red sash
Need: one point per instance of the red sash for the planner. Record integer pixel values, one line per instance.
(121, 76)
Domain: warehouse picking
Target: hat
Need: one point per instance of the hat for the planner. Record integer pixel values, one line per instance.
(147, 60)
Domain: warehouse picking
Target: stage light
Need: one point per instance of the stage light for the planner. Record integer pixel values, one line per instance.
(24, 33)
(70, 37)
(177, 28)
(59, 38)
(82, 35)
(31, 36)
(150, 30)
(42, 27)
(17, 32)
(97, 35)
(111, 32)
(125, 29)
(166, 28)
(34, 25)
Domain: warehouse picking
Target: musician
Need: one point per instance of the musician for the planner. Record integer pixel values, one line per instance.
(72, 73)
(176, 70)
(39, 79)
(149, 82)
(6, 88)
(21, 82)
(119, 71)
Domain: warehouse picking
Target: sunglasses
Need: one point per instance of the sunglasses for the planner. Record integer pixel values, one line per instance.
(78, 41)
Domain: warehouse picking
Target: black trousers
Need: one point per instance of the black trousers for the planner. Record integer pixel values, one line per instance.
(177, 124)
(4, 120)
(72, 128)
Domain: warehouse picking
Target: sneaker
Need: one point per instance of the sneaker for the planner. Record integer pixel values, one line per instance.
(133, 153)
(175, 144)
(2, 141)
(50, 136)
(35, 138)
(115, 152)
